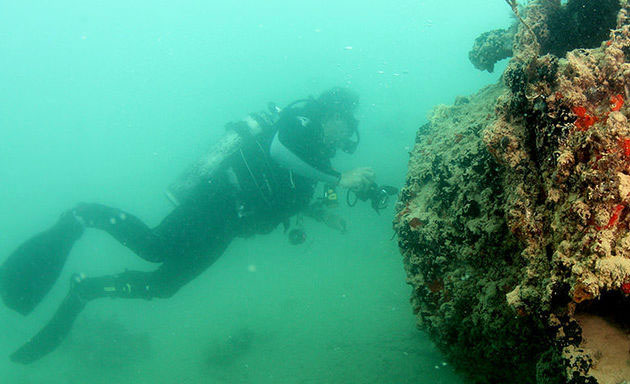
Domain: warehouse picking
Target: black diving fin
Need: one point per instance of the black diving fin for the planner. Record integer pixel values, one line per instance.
(49, 337)
(32, 269)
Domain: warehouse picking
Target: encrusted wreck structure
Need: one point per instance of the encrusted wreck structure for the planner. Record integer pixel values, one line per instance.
(514, 223)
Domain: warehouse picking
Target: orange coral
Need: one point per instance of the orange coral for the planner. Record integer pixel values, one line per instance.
(613, 219)
(617, 102)
(615, 216)
(584, 120)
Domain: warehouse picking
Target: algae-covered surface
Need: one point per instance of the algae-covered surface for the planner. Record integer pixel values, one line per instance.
(514, 222)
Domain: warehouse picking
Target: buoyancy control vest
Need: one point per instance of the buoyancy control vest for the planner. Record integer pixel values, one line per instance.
(217, 155)
(214, 159)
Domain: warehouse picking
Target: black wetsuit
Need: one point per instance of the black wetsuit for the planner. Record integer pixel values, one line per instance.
(271, 178)
(252, 194)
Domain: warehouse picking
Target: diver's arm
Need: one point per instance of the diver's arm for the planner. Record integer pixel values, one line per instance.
(283, 156)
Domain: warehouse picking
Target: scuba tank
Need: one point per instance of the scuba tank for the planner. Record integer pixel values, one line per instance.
(231, 142)
(214, 158)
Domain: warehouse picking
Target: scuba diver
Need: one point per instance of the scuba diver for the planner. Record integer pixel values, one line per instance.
(260, 183)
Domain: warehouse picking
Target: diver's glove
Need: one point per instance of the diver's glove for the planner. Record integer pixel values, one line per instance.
(357, 179)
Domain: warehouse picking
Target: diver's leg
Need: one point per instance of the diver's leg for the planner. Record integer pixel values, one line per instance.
(129, 230)
(186, 230)
(191, 238)
(130, 284)
(32, 269)
(162, 283)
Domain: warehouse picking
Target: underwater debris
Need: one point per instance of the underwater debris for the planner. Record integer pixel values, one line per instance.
(524, 247)
(222, 352)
